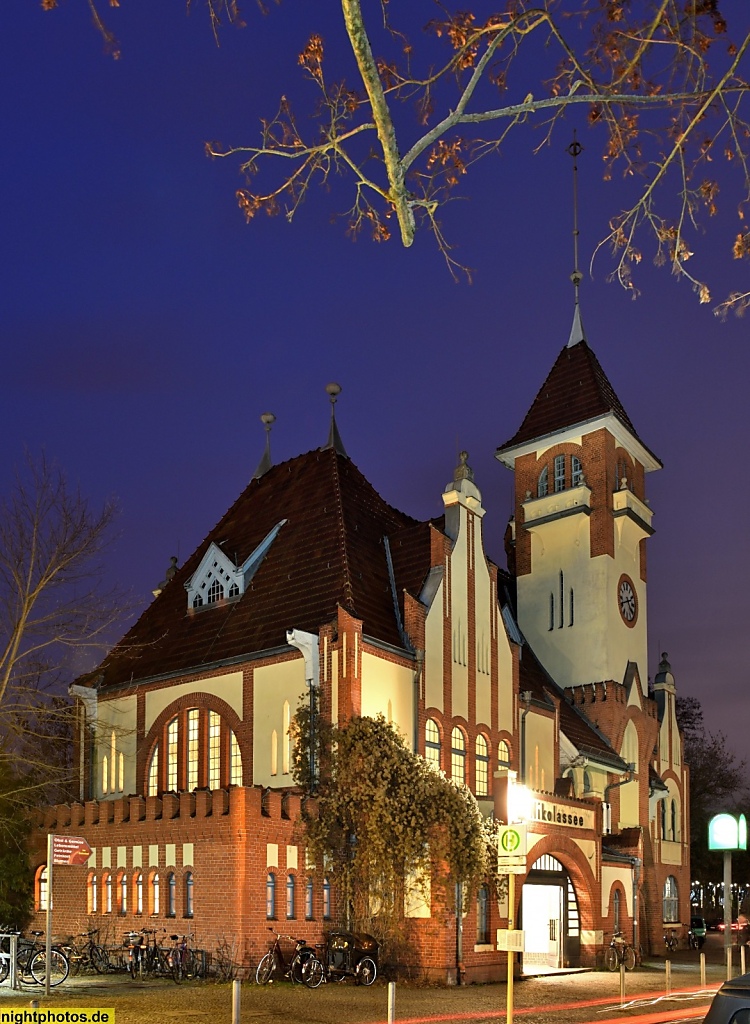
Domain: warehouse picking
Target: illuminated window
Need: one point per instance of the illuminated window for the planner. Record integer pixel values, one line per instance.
(482, 767)
(559, 473)
(309, 904)
(138, 909)
(193, 722)
(458, 756)
(326, 899)
(171, 894)
(270, 895)
(123, 894)
(214, 750)
(671, 902)
(503, 754)
(42, 888)
(542, 487)
(154, 901)
(153, 773)
(616, 911)
(576, 472)
(93, 894)
(172, 755)
(235, 761)
(432, 743)
(189, 894)
(108, 894)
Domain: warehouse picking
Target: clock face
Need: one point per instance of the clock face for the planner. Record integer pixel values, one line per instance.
(627, 601)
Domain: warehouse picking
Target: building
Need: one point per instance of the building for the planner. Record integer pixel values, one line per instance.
(312, 580)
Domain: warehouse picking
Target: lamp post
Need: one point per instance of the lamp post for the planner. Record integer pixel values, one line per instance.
(511, 858)
(727, 832)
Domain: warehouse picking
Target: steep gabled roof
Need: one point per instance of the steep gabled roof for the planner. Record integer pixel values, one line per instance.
(576, 390)
(329, 552)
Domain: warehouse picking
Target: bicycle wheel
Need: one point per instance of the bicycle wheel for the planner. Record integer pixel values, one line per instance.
(265, 969)
(58, 967)
(99, 959)
(367, 971)
(628, 958)
(313, 972)
(176, 965)
(4, 968)
(611, 960)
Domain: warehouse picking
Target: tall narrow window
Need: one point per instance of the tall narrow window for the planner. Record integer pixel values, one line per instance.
(214, 750)
(309, 902)
(153, 773)
(542, 487)
(576, 472)
(572, 605)
(43, 889)
(503, 754)
(235, 761)
(189, 906)
(458, 756)
(138, 909)
(121, 772)
(93, 900)
(670, 902)
(270, 896)
(616, 911)
(551, 611)
(155, 893)
(193, 722)
(171, 894)
(274, 753)
(432, 743)
(559, 473)
(215, 592)
(105, 773)
(290, 896)
(108, 893)
(326, 899)
(172, 755)
(483, 916)
(482, 767)
(286, 739)
(113, 762)
(562, 599)
(673, 821)
(123, 894)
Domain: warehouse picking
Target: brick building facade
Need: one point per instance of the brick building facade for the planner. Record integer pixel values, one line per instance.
(311, 580)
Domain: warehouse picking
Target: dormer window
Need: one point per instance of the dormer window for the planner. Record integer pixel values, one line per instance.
(218, 578)
(542, 488)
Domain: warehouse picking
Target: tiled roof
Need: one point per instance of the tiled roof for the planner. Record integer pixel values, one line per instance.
(576, 390)
(329, 552)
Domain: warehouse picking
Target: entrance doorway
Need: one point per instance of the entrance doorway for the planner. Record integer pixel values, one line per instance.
(549, 918)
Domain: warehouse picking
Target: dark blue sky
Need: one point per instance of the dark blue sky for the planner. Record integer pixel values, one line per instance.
(146, 327)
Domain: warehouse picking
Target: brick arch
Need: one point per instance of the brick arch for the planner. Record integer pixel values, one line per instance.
(617, 886)
(577, 867)
(157, 733)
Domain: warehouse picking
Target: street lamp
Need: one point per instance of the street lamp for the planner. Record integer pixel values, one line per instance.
(511, 858)
(726, 833)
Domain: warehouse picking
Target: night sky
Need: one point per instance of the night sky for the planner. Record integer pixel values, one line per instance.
(145, 327)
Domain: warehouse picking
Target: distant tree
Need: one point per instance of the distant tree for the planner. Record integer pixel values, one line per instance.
(433, 88)
(718, 782)
(386, 825)
(16, 884)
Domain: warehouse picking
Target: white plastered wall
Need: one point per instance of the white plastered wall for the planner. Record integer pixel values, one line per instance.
(540, 752)
(484, 623)
(118, 716)
(433, 655)
(460, 620)
(274, 686)
(388, 689)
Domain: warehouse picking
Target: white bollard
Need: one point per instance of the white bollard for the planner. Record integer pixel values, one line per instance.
(236, 991)
(622, 984)
(391, 1002)
(742, 958)
(729, 963)
(703, 970)
(668, 985)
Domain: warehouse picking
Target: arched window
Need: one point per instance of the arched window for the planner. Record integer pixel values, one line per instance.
(235, 761)
(432, 743)
(171, 895)
(616, 911)
(42, 888)
(153, 773)
(503, 754)
(92, 893)
(326, 899)
(671, 903)
(189, 898)
(138, 908)
(172, 731)
(193, 725)
(270, 896)
(123, 900)
(673, 821)
(108, 893)
(290, 896)
(215, 593)
(559, 473)
(214, 750)
(458, 756)
(542, 487)
(309, 902)
(154, 899)
(482, 767)
(576, 471)
(483, 915)
(664, 819)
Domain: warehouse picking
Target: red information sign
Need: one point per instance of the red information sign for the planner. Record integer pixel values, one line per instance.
(70, 850)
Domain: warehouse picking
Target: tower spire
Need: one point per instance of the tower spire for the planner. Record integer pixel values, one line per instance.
(334, 441)
(576, 331)
(267, 419)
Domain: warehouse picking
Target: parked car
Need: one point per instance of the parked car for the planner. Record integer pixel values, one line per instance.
(731, 1004)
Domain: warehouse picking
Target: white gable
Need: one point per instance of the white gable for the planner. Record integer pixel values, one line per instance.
(217, 578)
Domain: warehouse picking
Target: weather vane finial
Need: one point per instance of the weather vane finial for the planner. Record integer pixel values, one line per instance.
(576, 334)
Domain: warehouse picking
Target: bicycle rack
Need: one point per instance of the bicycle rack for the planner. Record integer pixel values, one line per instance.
(13, 943)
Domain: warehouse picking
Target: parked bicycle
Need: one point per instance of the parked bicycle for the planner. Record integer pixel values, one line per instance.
(671, 941)
(146, 957)
(274, 963)
(619, 952)
(87, 955)
(185, 962)
(343, 955)
(31, 962)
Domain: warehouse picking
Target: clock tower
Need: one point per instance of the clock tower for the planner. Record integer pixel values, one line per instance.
(577, 541)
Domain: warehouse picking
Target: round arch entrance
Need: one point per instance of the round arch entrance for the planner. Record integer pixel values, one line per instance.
(550, 918)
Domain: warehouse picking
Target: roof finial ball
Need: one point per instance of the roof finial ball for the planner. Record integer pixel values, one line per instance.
(333, 390)
(268, 419)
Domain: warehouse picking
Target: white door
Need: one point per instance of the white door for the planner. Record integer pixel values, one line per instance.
(543, 926)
